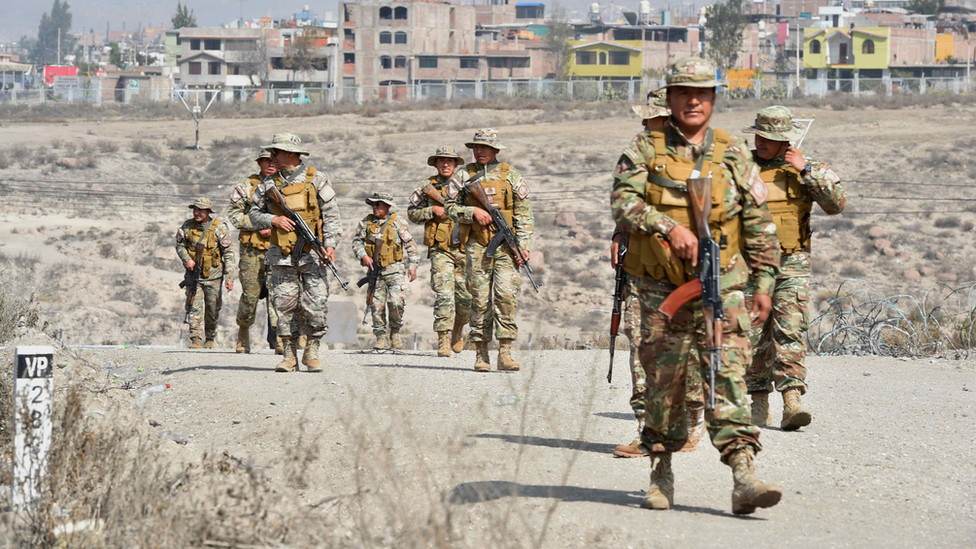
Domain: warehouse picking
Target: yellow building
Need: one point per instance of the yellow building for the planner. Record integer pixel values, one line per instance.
(835, 48)
(606, 60)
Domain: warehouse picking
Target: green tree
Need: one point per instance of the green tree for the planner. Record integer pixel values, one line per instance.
(115, 54)
(184, 17)
(557, 41)
(723, 31)
(303, 56)
(58, 22)
(781, 65)
(926, 7)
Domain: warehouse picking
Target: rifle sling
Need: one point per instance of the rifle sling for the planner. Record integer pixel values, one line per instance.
(665, 182)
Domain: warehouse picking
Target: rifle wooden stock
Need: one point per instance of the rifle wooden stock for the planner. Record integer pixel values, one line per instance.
(433, 194)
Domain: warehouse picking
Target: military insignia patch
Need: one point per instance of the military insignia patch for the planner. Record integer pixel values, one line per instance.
(415, 198)
(624, 165)
(453, 189)
(758, 191)
(521, 189)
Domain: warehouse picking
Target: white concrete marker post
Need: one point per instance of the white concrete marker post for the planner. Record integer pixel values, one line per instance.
(33, 388)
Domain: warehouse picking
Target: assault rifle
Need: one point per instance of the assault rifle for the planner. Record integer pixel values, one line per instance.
(272, 331)
(373, 276)
(708, 285)
(618, 298)
(305, 235)
(504, 232)
(191, 278)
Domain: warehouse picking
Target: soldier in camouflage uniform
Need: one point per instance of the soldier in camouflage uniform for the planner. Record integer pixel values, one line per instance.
(300, 288)
(493, 282)
(452, 302)
(795, 182)
(650, 202)
(254, 246)
(653, 115)
(387, 228)
(217, 265)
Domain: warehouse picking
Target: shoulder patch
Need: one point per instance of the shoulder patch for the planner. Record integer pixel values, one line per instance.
(327, 193)
(415, 198)
(521, 189)
(624, 165)
(757, 188)
(453, 188)
(238, 194)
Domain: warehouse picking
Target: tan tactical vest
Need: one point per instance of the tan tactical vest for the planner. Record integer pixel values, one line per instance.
(211, 252)
(790, 212)
(500, 192)
(392, 247)
(438, 233)
(252, 238)
(649, 253)
(300, 196)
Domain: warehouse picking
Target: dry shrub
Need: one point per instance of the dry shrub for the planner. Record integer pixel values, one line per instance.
(18, 306)
(107, 147)
(951, 222)
(144, 148)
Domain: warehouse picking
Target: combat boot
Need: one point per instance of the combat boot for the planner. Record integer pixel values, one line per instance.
(381, 343)
(481, 361)
(289, 362)
(696, 428)
(760, 409)
(750, 492)
(208, 344)
(243, 340)
(395, 341)
(279, 348)
(505, 361)
(660, 495)
(302, 341)
(457, 336)
(632, 450)
(794, 414)
(195, 343)
(443, 344)
(310, 357)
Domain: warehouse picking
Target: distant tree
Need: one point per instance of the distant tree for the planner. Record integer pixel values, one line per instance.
(303, 56)
(926, 7)
(781, 65)
(557, 41)
(115, 54)
(184, 17)
(256, 63)
(45, 50)
(723, 31)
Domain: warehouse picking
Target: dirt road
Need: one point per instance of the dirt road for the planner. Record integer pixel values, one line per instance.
(413, 442)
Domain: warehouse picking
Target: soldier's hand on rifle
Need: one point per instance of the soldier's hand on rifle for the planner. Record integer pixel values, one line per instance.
(439, 213)
(795, 159)
(411, 275)
(519, 261)
(615, 249)
(265, 233)
(684, 244)
(229, 284)
(762, 305)
(190, 265)
(283, 223)
(367, 261)
(482, 217)
(330, 254)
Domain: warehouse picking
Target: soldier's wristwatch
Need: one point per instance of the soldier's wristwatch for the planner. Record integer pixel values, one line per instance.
(807, 168)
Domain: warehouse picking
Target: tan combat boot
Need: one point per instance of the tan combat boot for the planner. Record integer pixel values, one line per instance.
(243, 340)
(302, 341)
(750, 492)
(696, 428)
(760, 409)
(310, 357)
(633, 449)
(289, 362)
(661, 493)
(208, 344)
(794, 414)
(505, 361)
(279, 348)
(382, 343)
(481, 362)
(443, 344)
(457, 335)
(195, 343)
(395, 341)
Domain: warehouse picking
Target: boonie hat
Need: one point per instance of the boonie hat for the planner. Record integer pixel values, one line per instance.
(380, 197)
(691, 72)
(288, 142)
(656, 106)
(776, 124)
(485, 136)
(444, 152)
(202, 203)
(264, 154)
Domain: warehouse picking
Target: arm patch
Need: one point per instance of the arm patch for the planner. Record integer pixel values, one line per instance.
(453, 188)
(415, 198)
(757, 188)
(521, 189)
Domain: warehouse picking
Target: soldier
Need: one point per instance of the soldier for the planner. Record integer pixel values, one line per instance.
(653, 115)
(300, 289)
(795, 182)
(254, 245)
(492, 281)
(452, 304)
(217, 264)
(650, 202)
(388, 228)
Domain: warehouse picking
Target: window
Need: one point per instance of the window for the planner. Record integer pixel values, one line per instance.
(586, 58)
(469, 62)
(603, 58)
(619, 58)
(386, 13)
(400, 62)
(195, 67)
(195, 44)
(428, 62)
(234, 68)
(400, 13)
(386, 38)
(386, 62)
(213, 67)
(520, 62)
(350, 35)
(815, 46)
(867, 46)
(213, 45)
(400, 38)
(349, 58)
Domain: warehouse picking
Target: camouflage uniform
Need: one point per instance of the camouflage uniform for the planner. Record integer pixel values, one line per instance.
(392, 281)
(205, 309)
(301, 291)
(779, 346)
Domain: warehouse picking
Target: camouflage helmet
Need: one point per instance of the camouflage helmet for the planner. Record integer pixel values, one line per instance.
(487, 137)
(776, 124)
(264, 154)
(202, 203)
(444, 152)
(656, 106)
(380, 197)
(288, 142)
(691, 72)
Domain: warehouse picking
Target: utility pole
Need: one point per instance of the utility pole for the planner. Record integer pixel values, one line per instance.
(799, 44)
(59, 46)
